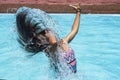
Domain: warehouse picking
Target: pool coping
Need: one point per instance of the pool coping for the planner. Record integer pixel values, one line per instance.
(64, 8)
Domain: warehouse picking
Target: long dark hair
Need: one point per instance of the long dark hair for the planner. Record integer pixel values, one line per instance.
(29, 31)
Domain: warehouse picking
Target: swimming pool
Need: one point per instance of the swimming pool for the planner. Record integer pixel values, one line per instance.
(96, 46)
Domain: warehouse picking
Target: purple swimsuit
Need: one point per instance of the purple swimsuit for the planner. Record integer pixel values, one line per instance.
(69, 58)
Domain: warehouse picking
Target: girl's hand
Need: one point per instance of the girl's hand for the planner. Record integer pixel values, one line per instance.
(76, 7)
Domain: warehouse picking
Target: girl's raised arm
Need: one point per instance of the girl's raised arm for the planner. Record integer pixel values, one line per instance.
(75, 25)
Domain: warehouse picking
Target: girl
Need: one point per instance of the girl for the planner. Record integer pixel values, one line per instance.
(36, 37)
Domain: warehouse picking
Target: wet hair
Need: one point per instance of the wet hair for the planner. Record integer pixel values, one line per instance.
(30, 31)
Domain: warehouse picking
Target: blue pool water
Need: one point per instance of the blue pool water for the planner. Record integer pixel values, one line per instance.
(96, 46)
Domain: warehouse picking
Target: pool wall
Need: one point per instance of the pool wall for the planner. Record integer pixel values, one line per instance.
(61, 6)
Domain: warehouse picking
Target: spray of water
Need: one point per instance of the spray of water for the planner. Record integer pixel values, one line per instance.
(60, 69)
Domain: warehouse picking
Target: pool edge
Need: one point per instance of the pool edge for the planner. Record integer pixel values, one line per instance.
(64, 8)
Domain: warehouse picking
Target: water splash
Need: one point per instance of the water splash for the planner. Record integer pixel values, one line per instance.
(26, 63)
(38, 15)
(35, 16)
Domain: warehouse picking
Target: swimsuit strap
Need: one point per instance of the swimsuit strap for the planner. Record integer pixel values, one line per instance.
(71, 61)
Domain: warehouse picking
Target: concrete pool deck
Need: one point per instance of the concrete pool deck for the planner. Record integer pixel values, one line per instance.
(62, 6)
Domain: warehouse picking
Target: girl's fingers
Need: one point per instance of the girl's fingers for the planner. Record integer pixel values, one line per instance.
(73, 6)
(76, 7)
